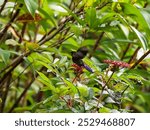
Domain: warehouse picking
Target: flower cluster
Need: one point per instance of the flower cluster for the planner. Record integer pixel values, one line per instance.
(117, 63)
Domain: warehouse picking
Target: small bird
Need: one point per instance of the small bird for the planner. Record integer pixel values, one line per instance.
(78, 56)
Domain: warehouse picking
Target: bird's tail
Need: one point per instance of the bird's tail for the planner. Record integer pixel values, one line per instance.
(88, 68)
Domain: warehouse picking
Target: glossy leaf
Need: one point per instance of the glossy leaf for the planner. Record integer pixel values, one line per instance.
(142, 39)
(90, 18)
(4, 55)
(135, 14)
(32, 6)
(46, 81)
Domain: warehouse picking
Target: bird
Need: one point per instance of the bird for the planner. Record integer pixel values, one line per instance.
(78, 56)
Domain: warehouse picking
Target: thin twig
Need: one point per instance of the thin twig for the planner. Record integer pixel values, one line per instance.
(22, 32)
(5, 93)
(51, 36)
(2, 6)
(36, 33)
(62, 22)
(124, 90)
(142, 58)
(96, 44)
(21, 73)
(17, 61)
(103, 88)
(125, 51)
(138, 48)
(60, 41)
(103, 5)
(54, 28)
(24, 92)
(14, 32)
(134, 55)
(10, 21)
(13, 65)
(77, 75)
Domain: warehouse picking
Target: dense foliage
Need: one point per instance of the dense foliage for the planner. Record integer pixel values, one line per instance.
(37, 38)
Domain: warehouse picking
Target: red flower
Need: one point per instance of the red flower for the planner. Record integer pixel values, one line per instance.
(117, 63)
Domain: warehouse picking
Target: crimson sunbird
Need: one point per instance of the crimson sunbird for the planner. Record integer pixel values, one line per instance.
(78, 56)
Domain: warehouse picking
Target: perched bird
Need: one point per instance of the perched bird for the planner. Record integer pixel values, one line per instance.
(78, 56)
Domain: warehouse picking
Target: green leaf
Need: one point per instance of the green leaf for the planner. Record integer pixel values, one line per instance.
(71, 86)
(135, 13)
(76, 30)
(36, 106)
(49, 67)
(114, 53)
(107, 18)
(72, 14)
(46, 81)
(143, 73)
(32, 6)
(104, 110)
(89, 3)
(47, 17)
(139, 108)
(90, 17)
(140, 36)
(43, 76)
(146, 14)
(63, 60)
(22, 109)
(55, 96)
(11, 42)
(127, 81)
(5, 55)
(83, 90)
(91, 93)
(43, 58)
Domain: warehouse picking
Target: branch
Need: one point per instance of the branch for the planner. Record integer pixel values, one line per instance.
(124, 90)
(36, 32)
(22, 32)
(138, 48)
(19, 59)
(25, 90)
(10, 21)
(103, 88)
(21, 73)
(47, 38)
(125, 51)
(103, 5)
(2, 6)
(134, 55)
(5, 93)
(22, 94)
(142, 58)
(96, 44)
(62, 22)
(12, 66)
(61, 41)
